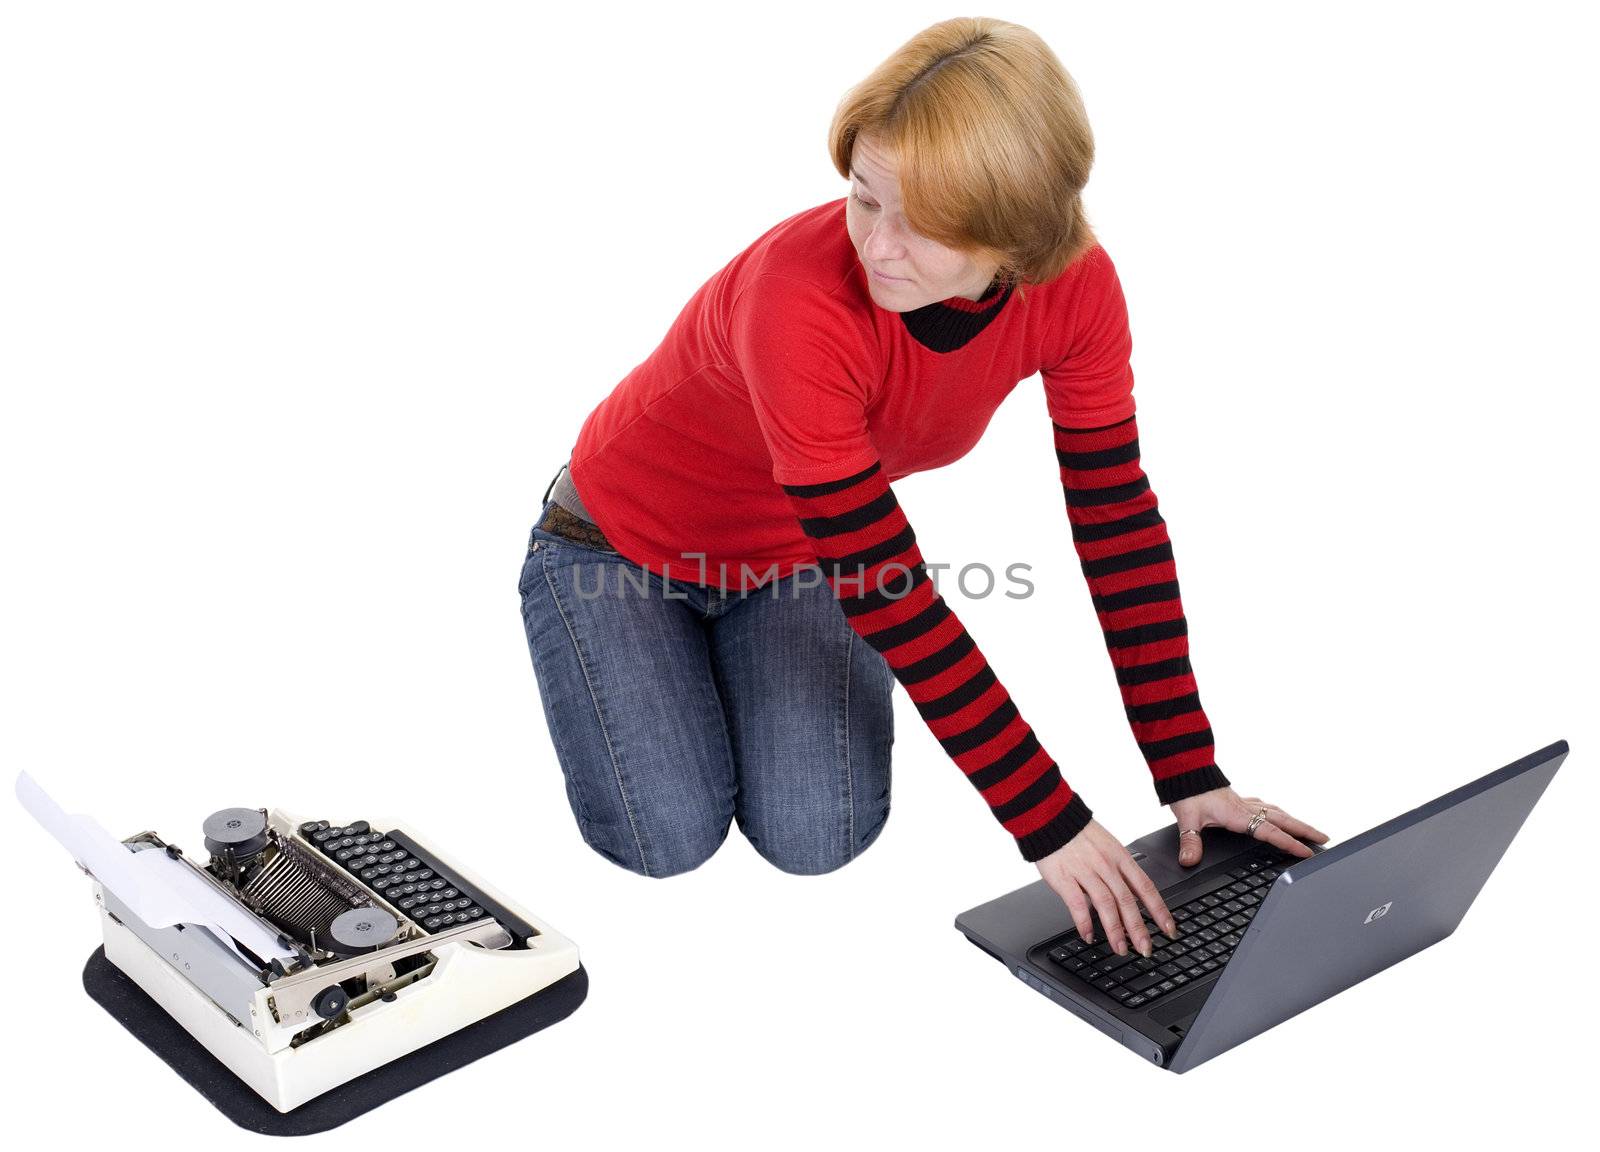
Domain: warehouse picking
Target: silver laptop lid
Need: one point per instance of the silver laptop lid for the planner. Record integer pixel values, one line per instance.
(1335, 919)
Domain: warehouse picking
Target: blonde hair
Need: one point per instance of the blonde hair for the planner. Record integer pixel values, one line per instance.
(991, 141)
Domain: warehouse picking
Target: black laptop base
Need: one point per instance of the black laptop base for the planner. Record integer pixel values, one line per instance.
(1020, 929)
(1165, 1009)
(131, 1007)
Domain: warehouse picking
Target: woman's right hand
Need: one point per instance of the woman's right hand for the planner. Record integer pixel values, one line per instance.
(1093, 870)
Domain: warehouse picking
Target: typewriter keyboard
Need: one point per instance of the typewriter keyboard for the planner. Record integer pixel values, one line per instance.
(392, 865)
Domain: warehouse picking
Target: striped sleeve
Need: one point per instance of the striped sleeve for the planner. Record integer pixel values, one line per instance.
(1126, 556)
(869, 556)
(1120, 537)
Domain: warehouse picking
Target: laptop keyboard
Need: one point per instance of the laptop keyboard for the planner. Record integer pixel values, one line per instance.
(1210, 924)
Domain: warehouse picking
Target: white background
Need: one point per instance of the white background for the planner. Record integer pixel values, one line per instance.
(304, 304)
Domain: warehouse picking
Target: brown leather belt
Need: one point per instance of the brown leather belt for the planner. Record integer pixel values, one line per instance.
(565, 515)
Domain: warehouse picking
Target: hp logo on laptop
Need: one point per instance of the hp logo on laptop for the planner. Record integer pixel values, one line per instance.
(1376, 913)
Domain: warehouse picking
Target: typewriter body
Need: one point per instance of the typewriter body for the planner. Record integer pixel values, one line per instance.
(303, 953)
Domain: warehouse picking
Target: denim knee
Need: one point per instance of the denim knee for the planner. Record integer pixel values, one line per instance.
(659, 855)
(801, 855)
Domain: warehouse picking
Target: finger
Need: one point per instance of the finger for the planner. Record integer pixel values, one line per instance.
(1106, 905)
(1293, 826)
(1077, 904)
(1278, 838)
(1128, 909)
(1189, 848)
(1240, 819)
(1145, 889)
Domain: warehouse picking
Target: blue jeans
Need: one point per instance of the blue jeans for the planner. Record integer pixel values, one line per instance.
(677, 708)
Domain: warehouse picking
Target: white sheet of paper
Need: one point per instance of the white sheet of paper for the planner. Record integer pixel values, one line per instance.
(159, 890)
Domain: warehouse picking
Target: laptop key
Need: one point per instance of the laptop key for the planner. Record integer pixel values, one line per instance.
(1133, 1001)
(1123, 993)
(1143, 981)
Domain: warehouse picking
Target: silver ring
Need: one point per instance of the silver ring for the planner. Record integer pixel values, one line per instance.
(1188, 832)
(1256, 821)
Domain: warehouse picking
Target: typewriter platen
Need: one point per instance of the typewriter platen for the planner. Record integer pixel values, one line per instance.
(303, 952)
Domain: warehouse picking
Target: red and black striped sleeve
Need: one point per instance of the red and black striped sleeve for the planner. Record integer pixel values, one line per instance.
(869, 556)
(1126, 556)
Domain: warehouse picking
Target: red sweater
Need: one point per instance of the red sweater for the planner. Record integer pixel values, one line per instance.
(762, 435)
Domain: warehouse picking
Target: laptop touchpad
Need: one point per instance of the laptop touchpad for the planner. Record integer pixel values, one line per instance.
(1183, 1009)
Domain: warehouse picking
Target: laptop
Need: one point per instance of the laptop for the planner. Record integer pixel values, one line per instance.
(1264, 935)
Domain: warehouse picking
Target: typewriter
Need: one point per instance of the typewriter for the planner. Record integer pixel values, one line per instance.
(303, 952)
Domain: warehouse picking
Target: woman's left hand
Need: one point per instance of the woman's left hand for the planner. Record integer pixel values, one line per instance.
(1225, 808)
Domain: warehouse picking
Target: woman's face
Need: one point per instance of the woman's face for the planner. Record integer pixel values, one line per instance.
(922, 270)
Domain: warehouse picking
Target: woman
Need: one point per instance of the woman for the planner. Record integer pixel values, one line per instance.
(722, 589)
